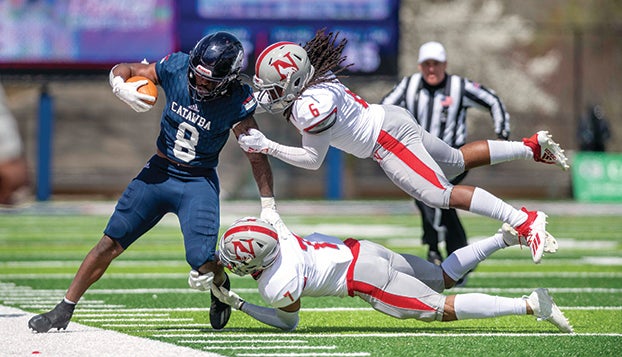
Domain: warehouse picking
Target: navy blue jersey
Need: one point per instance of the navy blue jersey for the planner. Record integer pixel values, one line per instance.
(194, 133)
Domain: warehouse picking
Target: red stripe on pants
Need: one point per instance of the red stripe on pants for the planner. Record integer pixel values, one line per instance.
(402, 302)
(401, 151)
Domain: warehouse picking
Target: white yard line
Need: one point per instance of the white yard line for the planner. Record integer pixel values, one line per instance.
(79, 340)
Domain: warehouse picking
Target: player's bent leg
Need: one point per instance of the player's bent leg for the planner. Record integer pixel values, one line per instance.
(475, 154)
(57, 318)
(93, 266)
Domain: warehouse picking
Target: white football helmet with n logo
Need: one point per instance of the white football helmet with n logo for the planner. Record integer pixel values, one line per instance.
(249, 245)
(281, 71)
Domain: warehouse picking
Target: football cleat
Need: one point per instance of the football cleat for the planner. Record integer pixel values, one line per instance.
(534, 231)
(546, 150)
(550, 243)
(544, 308)
(219, 312)
(57, 318)
(510, 235)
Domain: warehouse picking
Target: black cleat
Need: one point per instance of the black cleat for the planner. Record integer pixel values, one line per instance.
(220, 312)
(57, 318)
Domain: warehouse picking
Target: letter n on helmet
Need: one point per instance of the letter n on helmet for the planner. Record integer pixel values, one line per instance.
(248, 246)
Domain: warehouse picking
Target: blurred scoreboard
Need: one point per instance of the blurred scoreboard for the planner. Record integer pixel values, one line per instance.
(371, 26)
(81, 36)
(73, 37)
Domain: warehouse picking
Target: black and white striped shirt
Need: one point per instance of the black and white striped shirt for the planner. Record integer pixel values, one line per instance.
(442, 110)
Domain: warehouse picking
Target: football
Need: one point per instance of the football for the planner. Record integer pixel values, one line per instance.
(149, 88)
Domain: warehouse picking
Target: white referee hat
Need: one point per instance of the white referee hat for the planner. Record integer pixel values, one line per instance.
(432, 50)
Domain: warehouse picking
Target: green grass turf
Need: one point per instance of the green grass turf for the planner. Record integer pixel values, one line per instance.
(144, 292)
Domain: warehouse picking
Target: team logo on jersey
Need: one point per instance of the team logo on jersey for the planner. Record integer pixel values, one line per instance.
(165, 58)
(447, 101)
(285, 65)
(243, 249)
(250, 102)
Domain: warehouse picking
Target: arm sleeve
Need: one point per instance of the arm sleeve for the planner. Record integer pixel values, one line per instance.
(310, 156)
(278, 318)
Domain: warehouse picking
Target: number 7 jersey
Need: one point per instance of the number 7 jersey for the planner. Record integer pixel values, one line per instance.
(354, 124)
(313, 266)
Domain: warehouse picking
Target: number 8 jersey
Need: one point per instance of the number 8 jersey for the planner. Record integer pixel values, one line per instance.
(193, 133)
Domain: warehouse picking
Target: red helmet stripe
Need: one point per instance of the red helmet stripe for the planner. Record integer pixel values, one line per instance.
(265, 52)
(252, 228)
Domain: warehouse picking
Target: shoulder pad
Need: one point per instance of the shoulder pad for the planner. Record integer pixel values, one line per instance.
(323, 124)
(315, 112)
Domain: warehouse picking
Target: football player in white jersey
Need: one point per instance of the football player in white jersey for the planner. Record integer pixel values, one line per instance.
(288, 267)
(299, 82)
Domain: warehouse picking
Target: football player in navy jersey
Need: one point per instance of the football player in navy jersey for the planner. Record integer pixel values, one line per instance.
(205, 100)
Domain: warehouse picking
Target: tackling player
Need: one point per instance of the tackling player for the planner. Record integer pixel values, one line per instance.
(205, 100)
(288, 267)
(299, 82)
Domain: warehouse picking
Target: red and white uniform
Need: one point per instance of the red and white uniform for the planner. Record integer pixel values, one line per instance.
(329, 114)
(354, 124)
(402, 286)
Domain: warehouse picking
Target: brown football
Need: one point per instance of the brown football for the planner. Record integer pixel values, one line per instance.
(149, 88)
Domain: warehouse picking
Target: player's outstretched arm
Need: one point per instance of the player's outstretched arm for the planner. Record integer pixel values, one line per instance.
(285, 319)
(310, 156)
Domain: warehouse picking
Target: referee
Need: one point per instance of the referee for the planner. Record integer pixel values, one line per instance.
(439, 102)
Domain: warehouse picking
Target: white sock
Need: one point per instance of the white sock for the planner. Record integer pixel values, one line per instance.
(69, 301)
(481, 306)
(466, 258)
(486, 204)
(503, 151)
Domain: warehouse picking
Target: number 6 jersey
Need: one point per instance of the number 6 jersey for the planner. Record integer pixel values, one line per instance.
(355, 124)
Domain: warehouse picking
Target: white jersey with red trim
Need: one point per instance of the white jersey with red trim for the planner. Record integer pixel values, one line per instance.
(312, 266)
(354, 124)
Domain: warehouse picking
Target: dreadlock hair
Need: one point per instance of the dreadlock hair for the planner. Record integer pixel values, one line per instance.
(325, 54)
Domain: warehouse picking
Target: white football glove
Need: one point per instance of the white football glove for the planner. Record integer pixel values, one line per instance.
(227, 296)
(128, 93)
(255, 142)
(268, 210)
(202, 282)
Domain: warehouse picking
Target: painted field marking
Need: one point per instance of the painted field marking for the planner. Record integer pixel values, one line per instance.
(344, 354)
(252, 341)
(282, 347)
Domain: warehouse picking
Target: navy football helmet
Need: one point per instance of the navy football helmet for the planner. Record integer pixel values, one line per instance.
(215, 63)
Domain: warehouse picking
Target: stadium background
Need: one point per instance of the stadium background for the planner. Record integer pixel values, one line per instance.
(547, 60)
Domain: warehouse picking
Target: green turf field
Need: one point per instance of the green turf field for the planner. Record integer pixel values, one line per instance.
(144, 292)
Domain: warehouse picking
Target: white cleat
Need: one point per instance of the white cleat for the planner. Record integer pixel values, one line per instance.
(544, 308)
(550, 243)
(510, 235)
(534, 231)
(546, 150)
